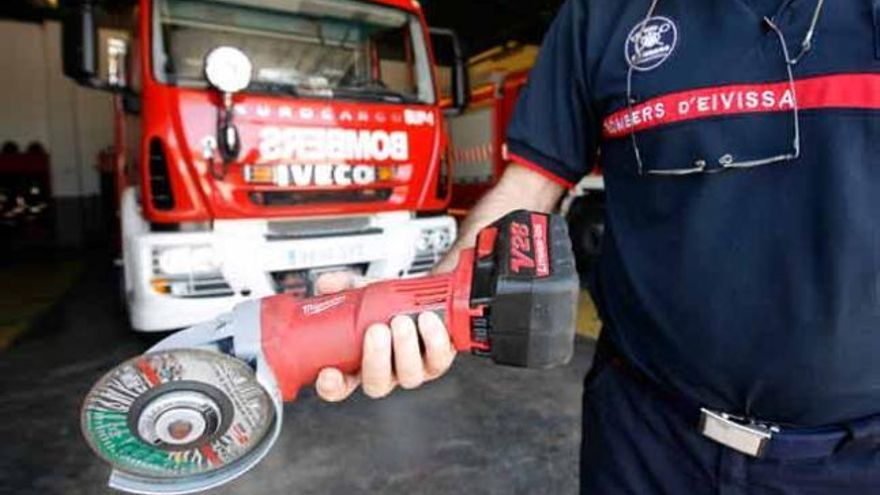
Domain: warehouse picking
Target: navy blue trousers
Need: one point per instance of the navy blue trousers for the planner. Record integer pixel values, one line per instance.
(636, 442)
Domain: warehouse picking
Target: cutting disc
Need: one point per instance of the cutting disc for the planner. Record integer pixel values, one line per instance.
(177, 414)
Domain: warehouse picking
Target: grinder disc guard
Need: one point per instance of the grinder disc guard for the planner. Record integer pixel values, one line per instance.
(178, 416)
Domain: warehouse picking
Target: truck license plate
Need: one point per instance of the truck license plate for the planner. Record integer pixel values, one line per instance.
(330, 254)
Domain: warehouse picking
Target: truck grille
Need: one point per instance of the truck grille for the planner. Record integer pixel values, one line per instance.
(293, 198)
(199, 287)
(327, 227)
(160, 182)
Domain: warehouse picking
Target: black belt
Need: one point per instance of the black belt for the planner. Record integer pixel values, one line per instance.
(750, 436)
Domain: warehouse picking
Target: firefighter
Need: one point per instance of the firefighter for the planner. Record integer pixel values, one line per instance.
(739, 283)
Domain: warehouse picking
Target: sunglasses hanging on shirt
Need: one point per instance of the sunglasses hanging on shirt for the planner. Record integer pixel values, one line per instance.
(727, 161)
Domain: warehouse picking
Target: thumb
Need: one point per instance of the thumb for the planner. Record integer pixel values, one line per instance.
(334, 386)
(332, 282)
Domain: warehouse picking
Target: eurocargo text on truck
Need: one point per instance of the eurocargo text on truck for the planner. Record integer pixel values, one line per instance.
(259, 143)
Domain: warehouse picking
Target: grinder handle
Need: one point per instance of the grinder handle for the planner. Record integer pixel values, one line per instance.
(300, 337)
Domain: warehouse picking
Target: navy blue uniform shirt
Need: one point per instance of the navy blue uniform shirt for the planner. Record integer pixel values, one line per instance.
(741, 263)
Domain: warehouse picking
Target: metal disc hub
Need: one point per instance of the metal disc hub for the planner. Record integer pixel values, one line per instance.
(175, 414)
(180, 415)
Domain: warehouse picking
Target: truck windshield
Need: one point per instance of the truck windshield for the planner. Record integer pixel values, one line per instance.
(314, 48)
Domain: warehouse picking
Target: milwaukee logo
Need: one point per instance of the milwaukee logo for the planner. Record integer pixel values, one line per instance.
(318, 144)
(315, 308)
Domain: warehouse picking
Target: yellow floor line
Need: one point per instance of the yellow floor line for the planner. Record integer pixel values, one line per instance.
(588, 323)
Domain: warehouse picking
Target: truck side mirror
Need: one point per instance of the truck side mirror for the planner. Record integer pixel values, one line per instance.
(451, 69)
(78, 35)
(94, 53)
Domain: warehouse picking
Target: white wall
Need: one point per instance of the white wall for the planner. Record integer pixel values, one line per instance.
(37, 103)
(23, 85)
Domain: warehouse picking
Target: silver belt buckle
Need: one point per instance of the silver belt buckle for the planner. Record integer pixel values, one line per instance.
(741, 436)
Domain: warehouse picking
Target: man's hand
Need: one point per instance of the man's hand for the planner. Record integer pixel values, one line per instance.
(392, 354)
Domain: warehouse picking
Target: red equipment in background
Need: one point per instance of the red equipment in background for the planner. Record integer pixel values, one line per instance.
(25, 192)
(479, 154)
(479, 150)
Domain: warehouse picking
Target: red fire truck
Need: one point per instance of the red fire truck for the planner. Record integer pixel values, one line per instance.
(479, 147)
(262, 142)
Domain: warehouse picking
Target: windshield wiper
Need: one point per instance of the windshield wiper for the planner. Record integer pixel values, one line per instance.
(374, 92)
(272, 87)
(360, 89)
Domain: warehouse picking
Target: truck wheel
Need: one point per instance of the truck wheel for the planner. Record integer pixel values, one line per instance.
(586, 226)
(121, 293)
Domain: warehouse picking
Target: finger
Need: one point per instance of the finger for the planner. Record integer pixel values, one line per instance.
(407, 356)
(330, 282)
(358, 281)
(447, 263)
(376, 375)
(334, 386)
(439, 351)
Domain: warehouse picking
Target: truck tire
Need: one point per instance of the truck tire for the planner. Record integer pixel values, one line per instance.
(586, 226)
(122, 312)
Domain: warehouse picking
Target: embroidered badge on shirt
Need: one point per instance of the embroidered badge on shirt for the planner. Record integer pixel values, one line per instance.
(650, 43)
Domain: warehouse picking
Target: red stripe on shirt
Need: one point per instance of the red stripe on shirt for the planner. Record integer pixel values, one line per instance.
(860, 91)
(519, 160)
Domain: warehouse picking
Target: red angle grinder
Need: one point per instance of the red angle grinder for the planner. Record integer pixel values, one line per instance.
(205, 405)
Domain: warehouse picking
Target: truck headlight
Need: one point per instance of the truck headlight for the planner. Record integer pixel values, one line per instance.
(425, 242)
(442, 239)
(434, 241)
(185, 260)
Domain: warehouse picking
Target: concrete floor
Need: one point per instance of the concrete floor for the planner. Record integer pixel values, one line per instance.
(481, 429)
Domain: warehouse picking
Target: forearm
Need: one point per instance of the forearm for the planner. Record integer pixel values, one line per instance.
(518, 188)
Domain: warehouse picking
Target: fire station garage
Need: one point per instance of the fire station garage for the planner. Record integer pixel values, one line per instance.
(168, 162)
(363, 247)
